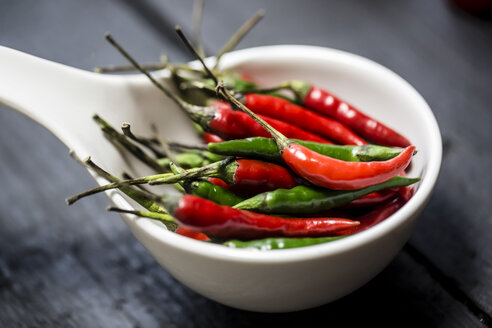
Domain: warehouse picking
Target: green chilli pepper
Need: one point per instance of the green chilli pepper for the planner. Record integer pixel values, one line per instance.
(266, 149)
(279, 243)
(304, 199)
(208, 190)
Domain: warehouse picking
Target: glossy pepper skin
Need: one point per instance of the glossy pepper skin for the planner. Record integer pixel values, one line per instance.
(183, 231)
(242, 175)
(322, 170)
(266, 149)
(211, 138)
(328, 104)
(208, 190)
(376, 216)
(229, 124)
(258, 176)
(308, 200)
(226, 222)
(374, 198)
(328, 172)
(307, 120)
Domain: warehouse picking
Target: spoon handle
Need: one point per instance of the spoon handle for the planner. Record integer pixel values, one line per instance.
(56, 96)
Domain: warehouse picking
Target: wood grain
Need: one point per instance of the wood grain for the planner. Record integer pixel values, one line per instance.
(80, 266)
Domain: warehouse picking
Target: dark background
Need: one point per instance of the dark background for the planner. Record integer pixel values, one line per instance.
(80, 266)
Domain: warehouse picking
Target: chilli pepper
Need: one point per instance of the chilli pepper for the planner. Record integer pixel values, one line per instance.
(224, 122)
(248, 176)
(374, 198)
(266, 149)
(325, 171)
(328, 104)
(219, 182)
(307, 120)
(245, 175)
(211, 138)
(279, 243)
(183, 231)
(229, 124)
(376, 216)
(306, 199)
(207, 190)
(226, 222)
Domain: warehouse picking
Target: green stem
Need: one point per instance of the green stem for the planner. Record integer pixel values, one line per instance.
(126, 128)
(114, 185)
(115, 136)
(206, 171)
(128, 68)
(197, 113)
(281, 141)
(143, 197)
(179, 145)
(299, 88)
(147, 193)
(195, 53)
(166, 219)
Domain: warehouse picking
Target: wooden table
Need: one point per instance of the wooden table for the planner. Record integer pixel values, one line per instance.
(81, 267)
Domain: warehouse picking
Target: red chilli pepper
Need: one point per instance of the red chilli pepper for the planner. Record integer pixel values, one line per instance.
(224, 122)
(332, 173)
(226, 222)
(258, 176)
(211, 138)
(328, 104)
(183, 231)
(219, 182)
(373, 199)
(406, 192)
(376, 216)
(325, 171)
(247, 176)
(231, 124)
(286, 111)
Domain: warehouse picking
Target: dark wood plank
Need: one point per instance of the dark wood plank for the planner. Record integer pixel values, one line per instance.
(80, 266)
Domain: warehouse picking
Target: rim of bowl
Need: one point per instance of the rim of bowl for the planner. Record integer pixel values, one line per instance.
(429, 178)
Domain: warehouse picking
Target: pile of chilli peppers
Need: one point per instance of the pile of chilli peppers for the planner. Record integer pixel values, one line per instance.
(280, 167)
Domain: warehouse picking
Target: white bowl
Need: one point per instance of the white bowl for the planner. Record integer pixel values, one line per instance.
(296, 279)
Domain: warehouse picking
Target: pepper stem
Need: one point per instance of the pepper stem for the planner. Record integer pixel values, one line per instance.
(166, 219)
(179, 145)
(145, 198)
(149, 143)
(299, 88)
(115, 185)
(239, 34)
(128, 68)
(281, 140)
(198, 114)
(122, 140)
(210, 170)
(194, 52)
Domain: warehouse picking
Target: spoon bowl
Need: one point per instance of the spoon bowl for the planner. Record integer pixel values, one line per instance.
(64, 99)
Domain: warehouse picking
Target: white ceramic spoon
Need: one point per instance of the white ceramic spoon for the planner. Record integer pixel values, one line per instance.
(63, 99)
